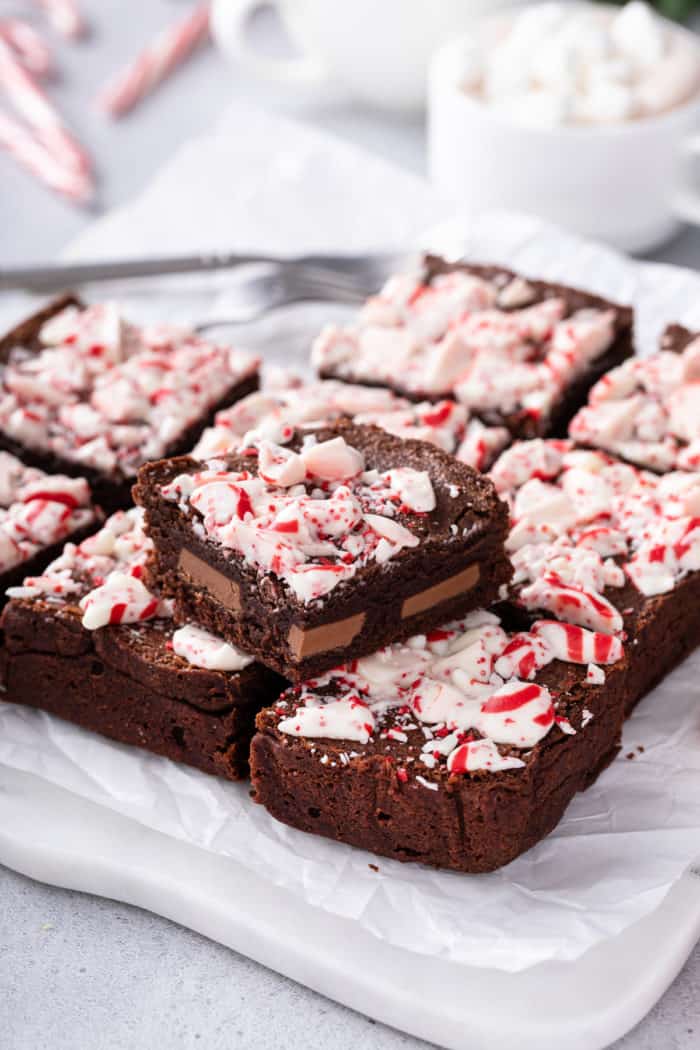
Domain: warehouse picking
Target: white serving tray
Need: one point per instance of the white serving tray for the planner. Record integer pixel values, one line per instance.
(53, 835)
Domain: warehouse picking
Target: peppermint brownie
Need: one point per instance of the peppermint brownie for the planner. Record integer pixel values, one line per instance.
(38, 513)
(274, 413)
(460, 748)
(87, 641)
(463, 747)
(602, 544)
(84, 392)
(518, 353)
(647, 411)
(328, 547)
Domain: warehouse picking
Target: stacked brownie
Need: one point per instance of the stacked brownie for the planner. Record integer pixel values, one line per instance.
(462, 746)
(342, 540)
(87, 392)
(436, 659)
(88, 641)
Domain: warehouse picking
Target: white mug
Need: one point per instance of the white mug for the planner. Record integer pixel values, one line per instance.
(377, 50)
(626, 183)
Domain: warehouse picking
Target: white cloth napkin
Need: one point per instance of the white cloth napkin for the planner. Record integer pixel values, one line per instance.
(262, 182)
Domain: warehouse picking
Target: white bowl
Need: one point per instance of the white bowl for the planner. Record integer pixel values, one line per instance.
(621, 183)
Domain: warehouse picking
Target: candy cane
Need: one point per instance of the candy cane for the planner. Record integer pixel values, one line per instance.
(39, 113)
(27, 45)
(65, 17)
(38, 160)
(155, 63)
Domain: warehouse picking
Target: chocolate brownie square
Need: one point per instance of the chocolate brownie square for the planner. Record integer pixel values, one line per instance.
(87, 641)
(459, 749)
(38, 513)
(518, 353)
(86, 393)
(274, 413)
(599, 543)
(647, 411)
(326, 548)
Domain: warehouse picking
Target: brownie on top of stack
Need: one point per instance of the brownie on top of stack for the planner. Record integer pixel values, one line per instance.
(326, 548)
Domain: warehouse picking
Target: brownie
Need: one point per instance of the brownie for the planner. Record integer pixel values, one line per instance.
(460, 750)
(117, 665)
(326, 548)
(647, 411)
(38, 513)
(274, 413)
(85, 393)
(519, 353)
(597, 542)
(612, 552)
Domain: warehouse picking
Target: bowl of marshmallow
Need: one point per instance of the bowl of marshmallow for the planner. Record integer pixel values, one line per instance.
(583, 113)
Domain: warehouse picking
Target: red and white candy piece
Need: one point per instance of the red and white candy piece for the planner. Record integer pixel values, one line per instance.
(42, 163)
(202, 649)
(517, 713)
(156, 62)
(40, 114)
(120, 599)
(71, 492)
(347, 719)
(576, 645)
(524, 655)
(280, 466)
(572, 604)
(27, 44)
(414, 488)
(477, 755)
(333, 460)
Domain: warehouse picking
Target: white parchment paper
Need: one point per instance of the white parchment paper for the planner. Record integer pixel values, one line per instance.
(261, 182)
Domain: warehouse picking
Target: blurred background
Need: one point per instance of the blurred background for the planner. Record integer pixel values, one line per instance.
(129, 84)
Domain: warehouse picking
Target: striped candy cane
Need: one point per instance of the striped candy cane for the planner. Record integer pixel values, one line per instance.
(156, 63)
(39, 113)
(40, 162)
(27, 44)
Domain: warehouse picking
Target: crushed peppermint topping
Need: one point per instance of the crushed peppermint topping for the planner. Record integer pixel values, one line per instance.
(38, 510)
(647, 411)
(102, 575)
(273, 414)
(464, 695)
(583, 523)
(311, 517)
(106, 394)
(461, 336)
(202, 649)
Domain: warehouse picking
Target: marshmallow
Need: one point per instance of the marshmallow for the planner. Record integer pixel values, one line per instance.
(557, 63)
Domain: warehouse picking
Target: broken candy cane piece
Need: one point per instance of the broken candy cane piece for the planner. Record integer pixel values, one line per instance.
(570, 642)
(337, 720)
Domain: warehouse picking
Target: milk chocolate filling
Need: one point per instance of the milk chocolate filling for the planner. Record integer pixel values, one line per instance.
(449, 588)
(325, 637)
(209, 579)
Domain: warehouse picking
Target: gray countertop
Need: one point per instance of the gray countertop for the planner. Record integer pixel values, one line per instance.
(81, 972)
